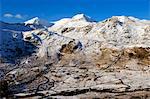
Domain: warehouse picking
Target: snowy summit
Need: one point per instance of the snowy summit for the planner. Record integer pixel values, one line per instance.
(37, 21)
(82, 17)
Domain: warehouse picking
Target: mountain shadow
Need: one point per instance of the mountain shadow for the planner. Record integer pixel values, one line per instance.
(13, 47)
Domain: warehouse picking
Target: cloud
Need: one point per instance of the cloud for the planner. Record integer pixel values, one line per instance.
(17, 16)
(8, 15)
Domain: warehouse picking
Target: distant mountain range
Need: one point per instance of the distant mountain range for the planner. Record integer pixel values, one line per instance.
(29, 25)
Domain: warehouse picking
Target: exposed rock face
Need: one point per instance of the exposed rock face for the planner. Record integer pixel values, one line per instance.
(80, 56)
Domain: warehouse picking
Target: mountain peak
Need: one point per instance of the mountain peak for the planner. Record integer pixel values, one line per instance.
(127, 18)
(82, 17)
(37, 21)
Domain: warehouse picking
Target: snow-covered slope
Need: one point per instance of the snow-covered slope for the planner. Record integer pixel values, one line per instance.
(77, 21)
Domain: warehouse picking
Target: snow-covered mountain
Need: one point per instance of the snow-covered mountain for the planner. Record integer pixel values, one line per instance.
(78, 54)
(115, 32)
(28, 25)
(37, 23)
(11, 34)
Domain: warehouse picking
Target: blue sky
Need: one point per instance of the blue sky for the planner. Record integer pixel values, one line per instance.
(51, 10)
